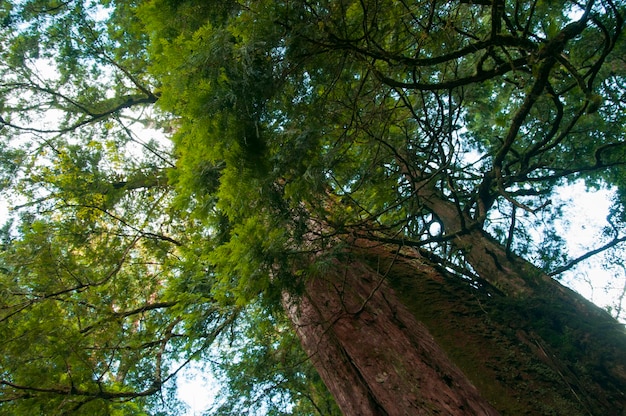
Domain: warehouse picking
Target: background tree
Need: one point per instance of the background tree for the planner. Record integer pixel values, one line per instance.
(376, 168)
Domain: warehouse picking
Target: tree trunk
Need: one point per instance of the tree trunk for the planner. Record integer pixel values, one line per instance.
(374, 357)
(392, 334)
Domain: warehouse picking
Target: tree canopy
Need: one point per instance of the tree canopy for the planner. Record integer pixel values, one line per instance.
(175, 167)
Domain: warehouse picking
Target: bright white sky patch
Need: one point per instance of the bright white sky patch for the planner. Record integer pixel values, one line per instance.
(197, 387)
(586, 216)
(581, 226)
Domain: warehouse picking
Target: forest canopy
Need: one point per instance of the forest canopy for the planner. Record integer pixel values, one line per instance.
(176, 170)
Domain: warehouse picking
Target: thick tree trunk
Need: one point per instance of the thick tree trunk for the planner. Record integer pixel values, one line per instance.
(374, 357)
(384, 327)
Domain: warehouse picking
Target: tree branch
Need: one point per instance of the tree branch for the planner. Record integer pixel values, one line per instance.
(585, 256)
(130, 101)
(120, 315)
(446, 85)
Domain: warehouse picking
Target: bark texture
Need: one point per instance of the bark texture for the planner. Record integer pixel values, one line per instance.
(393, 334)
(373, 355)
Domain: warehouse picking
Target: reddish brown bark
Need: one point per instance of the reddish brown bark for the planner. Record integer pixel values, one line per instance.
(373, 355)
(393, 334)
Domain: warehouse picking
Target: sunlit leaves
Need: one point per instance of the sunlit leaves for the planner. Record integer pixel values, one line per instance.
(85, 265)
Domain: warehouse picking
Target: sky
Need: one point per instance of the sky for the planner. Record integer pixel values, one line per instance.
(198, 388)
(581, 227)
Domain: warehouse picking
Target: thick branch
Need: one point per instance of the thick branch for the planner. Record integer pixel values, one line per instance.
(460, 82)
(72, 390)
(500, 40)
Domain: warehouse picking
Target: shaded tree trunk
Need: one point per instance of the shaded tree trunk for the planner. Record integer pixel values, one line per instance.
(373, 355)
(393, 334)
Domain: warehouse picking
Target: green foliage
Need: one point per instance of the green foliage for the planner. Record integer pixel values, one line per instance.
(363, 92)
(264, 371)
(296, 126)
